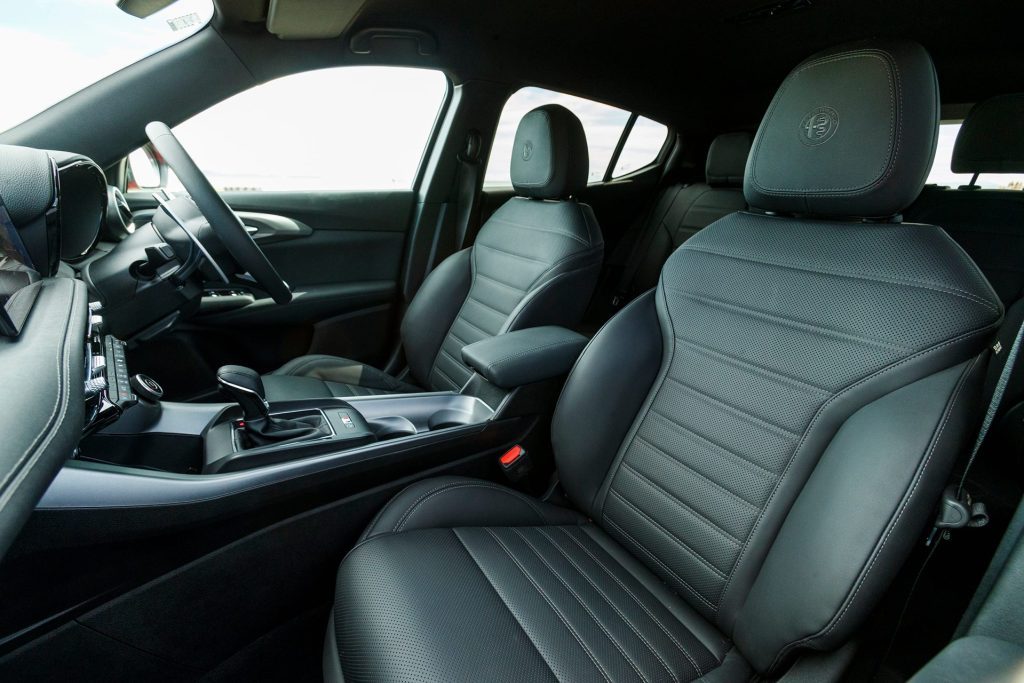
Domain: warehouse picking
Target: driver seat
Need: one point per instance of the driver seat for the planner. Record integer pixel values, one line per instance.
(534, 262)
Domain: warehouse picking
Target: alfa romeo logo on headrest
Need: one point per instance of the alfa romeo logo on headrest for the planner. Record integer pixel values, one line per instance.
(527, 150)
(819, 126)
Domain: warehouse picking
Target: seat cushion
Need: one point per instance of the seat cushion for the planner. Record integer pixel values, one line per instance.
(510, 603)
(322, 376)
(463, 579)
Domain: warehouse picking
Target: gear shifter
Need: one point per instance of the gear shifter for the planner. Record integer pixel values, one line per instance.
(261, 428)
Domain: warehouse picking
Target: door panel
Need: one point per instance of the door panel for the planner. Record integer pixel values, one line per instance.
(340, 252)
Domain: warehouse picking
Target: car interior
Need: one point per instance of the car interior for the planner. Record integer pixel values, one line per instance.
(384, 340)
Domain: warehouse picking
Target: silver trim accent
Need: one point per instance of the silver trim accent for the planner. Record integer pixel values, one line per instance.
(195, 240)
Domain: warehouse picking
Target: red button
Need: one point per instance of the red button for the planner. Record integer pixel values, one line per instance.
(511, 455)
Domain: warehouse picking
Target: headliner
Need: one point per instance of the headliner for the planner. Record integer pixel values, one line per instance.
(687, 64)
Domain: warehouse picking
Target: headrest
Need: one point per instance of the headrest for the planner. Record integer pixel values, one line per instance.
(727, 158)
(549, 157)
(991, 139)
(851, 133)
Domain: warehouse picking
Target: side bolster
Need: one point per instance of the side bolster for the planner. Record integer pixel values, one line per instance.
(601, 398)
(433, 310)
(854, 522)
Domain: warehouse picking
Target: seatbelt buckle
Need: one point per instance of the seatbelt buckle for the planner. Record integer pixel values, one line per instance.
(515, 463)
(957, 511)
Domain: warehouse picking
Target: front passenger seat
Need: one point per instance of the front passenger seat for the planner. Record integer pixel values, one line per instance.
(534, 262)
(750, 450)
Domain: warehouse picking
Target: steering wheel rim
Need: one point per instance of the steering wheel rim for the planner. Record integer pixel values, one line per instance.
(223, 221)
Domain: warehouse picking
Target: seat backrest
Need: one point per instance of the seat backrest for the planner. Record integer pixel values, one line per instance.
(988, 224)
(681, 210)
(769, 429)
(534, 262)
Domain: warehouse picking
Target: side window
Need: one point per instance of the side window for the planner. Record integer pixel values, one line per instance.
(602, 123)
(346, 128)
(942, 174)
(645, 142)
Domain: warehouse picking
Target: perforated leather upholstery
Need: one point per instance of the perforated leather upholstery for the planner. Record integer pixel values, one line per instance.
(787, 407)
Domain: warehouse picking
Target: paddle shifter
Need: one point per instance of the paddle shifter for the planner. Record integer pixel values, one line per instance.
(261, 428)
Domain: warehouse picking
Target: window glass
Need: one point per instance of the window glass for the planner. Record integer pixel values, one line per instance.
(347, 128)
(642, 146)
(942, 175)
(51, 49)
(603, 125)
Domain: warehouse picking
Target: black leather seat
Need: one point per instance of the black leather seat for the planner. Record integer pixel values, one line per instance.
(751, 449)
(534, 262)
(681, 210)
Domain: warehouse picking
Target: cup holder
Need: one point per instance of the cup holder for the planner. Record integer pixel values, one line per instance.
(443, 419)
(385, 428)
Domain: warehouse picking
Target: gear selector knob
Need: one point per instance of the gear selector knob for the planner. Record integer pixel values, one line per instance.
(245, 386)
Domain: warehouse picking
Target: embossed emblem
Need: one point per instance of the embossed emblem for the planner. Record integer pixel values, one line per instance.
(819, 126)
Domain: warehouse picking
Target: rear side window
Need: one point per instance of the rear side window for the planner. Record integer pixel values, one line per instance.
(346, 128)
(645, 142)
(603, 124)
(941, 173)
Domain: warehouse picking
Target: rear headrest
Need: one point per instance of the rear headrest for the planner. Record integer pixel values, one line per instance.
(549, 156)
(851, 133)
(991, 139)
(727, 158)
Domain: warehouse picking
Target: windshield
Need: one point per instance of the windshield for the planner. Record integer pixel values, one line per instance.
(51, 49)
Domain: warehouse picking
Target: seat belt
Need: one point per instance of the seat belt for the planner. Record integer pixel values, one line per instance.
(957, 509)
(466, 182)
(642, 243)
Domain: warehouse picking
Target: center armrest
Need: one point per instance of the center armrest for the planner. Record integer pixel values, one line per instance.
(525, 356)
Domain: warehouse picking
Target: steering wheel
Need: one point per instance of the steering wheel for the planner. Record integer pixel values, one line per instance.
(224, 222)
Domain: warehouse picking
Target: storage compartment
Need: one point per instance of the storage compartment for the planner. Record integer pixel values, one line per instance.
(179, 453)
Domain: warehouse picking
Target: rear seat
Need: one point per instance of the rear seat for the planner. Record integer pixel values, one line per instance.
(678, 213)
(988, 224)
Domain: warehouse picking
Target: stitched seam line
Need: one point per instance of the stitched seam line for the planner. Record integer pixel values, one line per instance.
(508, 607)
(740, 459)
(678, 541)
(631, 594)
(604, 596)
(586, 608)
(782, 321)
(678, 501)
(530, 351)
(400, 525)
(551, 604)
(814, 420)
(911, 283)
(520, 290)
(753, 507)
(753, 368)
(661, 564)
(919, 475)
(534, 228)
(743, 415)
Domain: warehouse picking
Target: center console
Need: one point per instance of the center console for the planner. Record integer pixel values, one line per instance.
(138, 450)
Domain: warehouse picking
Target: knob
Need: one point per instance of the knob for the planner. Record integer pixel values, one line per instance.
(146, 388)
(245, 386)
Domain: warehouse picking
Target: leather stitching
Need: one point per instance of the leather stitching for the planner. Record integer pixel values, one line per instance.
(507, 606)
(400, 524)
(636, 599)
(586, 608)
(604, 596)
(813, 422)
(919, 475)
(906, 282)
(551, 604)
